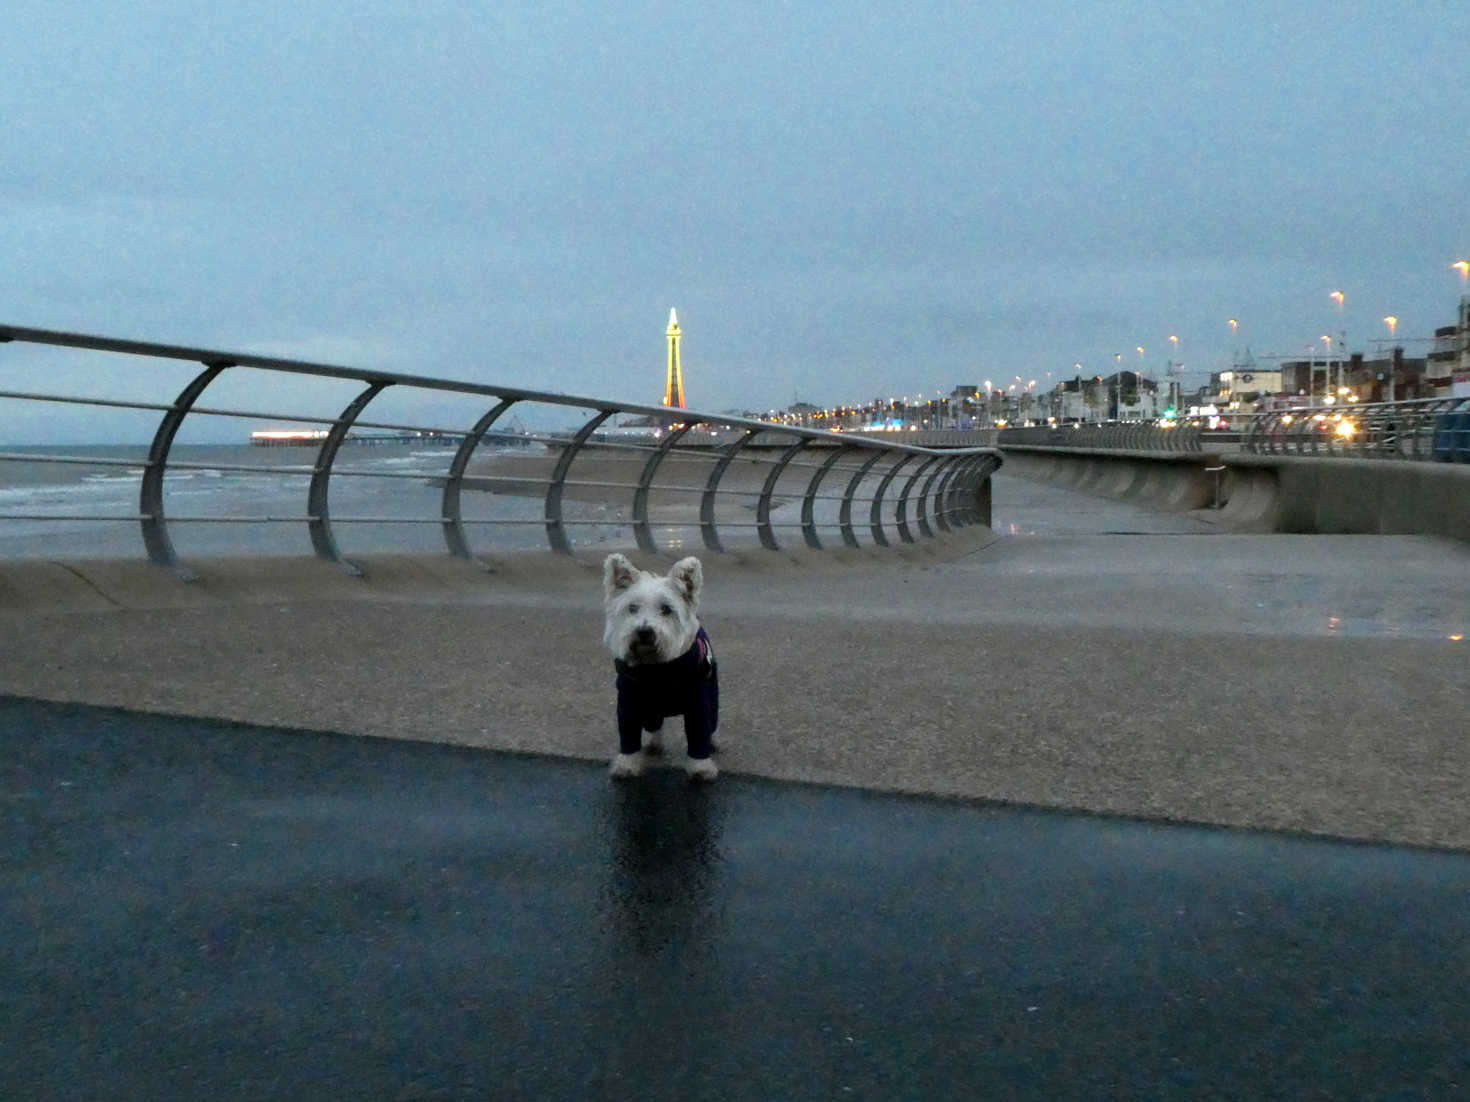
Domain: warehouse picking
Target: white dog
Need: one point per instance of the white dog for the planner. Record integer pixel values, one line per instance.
(664, 661)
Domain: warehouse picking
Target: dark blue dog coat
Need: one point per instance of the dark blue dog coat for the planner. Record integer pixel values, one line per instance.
(689, 686)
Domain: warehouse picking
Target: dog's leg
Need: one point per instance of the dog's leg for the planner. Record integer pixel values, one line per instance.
(701, 766)
(702, 769)
(627, 765)
(653, 741)
(629, 761)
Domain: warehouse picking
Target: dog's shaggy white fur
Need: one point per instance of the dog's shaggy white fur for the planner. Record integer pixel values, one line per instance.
(652, 619)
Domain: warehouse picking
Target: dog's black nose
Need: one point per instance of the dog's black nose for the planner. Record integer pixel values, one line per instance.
(645, 635)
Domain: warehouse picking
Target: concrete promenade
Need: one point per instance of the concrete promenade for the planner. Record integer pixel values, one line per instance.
(218, 895)
(1091, 655)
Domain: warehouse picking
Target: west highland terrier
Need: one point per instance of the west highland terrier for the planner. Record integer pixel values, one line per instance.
(664, 661)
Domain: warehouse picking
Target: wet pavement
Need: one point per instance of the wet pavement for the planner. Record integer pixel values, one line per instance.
(202, 909)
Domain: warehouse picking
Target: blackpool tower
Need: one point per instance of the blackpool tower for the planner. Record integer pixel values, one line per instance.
(674, 381)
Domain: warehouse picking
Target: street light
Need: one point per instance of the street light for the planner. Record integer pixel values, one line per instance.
(1337, 297)
(1463, 267)
(1392, 323)
(1327, 370)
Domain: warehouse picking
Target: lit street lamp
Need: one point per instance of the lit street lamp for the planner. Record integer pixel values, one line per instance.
(1393, 323)
(1463, 267)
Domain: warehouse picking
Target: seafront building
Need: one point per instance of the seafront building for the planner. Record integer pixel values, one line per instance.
(1244, 388)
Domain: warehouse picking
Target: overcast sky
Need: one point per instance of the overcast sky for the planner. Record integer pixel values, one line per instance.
(842, 201)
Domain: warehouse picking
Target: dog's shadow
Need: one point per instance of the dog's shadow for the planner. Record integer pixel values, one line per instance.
(665, 861)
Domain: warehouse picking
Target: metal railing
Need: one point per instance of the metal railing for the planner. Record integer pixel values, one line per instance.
(1431, 429)
(742, 480)
(1436, 429)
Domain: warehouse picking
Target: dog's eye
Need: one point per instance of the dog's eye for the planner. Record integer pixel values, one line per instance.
(666, 608)
(633, 606)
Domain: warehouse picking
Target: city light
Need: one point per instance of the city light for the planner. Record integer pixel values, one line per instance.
(1463, 267)
(1337, 297)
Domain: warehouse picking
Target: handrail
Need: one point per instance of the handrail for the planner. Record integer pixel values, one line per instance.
(1425, 429)
(708, 442)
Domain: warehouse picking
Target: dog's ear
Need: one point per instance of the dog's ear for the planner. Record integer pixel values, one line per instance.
(617, 574)
(688, 577)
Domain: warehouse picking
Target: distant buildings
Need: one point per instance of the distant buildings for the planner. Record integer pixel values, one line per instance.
(1132, 396)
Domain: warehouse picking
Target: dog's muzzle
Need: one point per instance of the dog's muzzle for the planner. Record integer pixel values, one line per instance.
(643, 647)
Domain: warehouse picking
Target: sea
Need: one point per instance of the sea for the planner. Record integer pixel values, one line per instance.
(251, 500)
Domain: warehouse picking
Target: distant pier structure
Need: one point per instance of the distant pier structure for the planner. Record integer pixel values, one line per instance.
(303, 438)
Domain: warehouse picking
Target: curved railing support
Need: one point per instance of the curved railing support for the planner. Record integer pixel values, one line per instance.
(844, 514)
(318, 512)
(707, 526)
(763, 504)
(556, 533)
(903, 501)
(875, 511)
(454, 533)
(809, 501)
(642, 528)
(150, 493)
(925, 495)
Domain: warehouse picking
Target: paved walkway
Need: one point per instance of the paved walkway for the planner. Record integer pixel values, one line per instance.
(239, 907)
(204, 910)
(1300, 682)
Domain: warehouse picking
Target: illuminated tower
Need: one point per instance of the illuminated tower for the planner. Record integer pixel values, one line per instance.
(674, 383)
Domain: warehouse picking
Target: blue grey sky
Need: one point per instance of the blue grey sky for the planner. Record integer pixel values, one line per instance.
(843, 201)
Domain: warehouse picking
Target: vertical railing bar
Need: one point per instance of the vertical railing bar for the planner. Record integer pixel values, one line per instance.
(808, 503)
(319, 522)
(642, 527)
(903, 499)
(875, 511)
(454, 533)
(707, 526)
(922, 503)
(844, 515)
(946, 471)
(763, 503)
(556, 534)
(949, 500)
(150, 490)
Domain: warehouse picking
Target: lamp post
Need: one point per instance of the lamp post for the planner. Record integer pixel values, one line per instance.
(1463, 267)
(1392, 323)
(1327, 372)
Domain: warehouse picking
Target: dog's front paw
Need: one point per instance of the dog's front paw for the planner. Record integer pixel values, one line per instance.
(653, 742)
(627, 765)
(702, 769)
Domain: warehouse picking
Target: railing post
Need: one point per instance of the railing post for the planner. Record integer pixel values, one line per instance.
(844, 516)
(318, 512)
(763, 503)
(921, 505)
(642, 527)
(903, 501)
(809, 501)
(707, 526)
(556, 533)
(875, 511)
(454, 534)
(150, 492)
